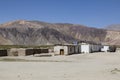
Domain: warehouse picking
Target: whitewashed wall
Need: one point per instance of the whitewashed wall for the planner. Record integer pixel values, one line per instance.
(85, 48)
(57, 49)
(105, 48)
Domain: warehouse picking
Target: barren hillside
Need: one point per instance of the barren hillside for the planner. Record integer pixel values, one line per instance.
(23, 32)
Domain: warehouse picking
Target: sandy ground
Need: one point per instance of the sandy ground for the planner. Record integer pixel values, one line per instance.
(95, 66)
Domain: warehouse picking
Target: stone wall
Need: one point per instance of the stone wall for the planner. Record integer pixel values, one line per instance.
(25, 52)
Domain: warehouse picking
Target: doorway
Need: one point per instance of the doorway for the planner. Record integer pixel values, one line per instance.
(61, 51)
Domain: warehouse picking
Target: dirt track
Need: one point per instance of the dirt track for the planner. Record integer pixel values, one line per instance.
(96, 66)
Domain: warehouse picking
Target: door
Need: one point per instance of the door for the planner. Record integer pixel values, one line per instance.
(61, 51)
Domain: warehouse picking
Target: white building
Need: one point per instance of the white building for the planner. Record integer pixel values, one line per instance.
(105, 48)
(66, 49)
(85, 48)
(89, 48)
(74, 49)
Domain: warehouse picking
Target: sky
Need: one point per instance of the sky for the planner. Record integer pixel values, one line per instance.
(92, 13)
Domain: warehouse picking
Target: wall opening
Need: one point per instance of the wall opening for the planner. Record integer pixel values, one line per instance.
(61, 51)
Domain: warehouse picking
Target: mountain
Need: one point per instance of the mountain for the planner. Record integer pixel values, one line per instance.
(115, 27)
(112, 37)
(22, 32)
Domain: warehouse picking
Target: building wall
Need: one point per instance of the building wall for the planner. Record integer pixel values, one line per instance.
(76, 49)
(16, 52)
(89, 48)
(25, 52)
(21, 52)
(118, 50)
(68, 50)
(36, 51)
(79, 48)
(71, 50)
(44, 50)
(96, 48)
(85, 48)
(29, 52)
(105, 48)
(3, 52)
(57, 49)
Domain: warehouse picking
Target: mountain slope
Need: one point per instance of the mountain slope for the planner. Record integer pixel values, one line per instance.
(115, 27)
(112, 38)
(23, 32)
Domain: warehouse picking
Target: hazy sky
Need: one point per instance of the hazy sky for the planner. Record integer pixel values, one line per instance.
(93, 13)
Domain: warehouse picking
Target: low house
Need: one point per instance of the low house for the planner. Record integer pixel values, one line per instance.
(17, 52)
(66, 49)
(89, 48)
(107, 48)
(36, 51)
(3, 52)
(26, 51)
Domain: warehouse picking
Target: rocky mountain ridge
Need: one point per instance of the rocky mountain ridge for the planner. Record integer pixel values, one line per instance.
(22, 32)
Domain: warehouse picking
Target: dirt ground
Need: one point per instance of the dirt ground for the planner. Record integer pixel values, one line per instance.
(94, 66)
